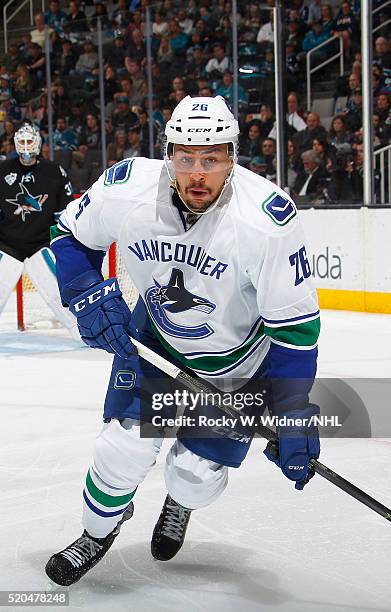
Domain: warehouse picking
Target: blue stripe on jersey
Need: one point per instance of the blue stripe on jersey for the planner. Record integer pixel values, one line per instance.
(293, 319)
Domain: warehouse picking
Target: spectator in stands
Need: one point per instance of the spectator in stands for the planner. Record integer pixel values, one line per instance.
(339, 133)
(327, 18)
(121, 16)
(109, 130)
(165, 54)
(61, 101)
(38, 35)
(340, 187)
(76, 118)
(308, 181)
(353, 111)
(90, 138)
(88, 61)
(63, 138)
(312, 39)
(180, 94)
(266, 32)
(314, 129)
(136, 49)
(65, 62)
(135, 73)
(383, 107)
(115, 150)
(8, 133)
(136, 23)
(346, 26)
(294, 115)
(195, 68)
(323, 151)
(127, 88)
(22, 84)
(185, 22)
(13, 58)
(101, 13)
(116, 53)
(133, 145)
(314, 13)
(55, 17)
(75, 21)
(382, 54)
(294, 164)
(356, 172)
(35, 63)
(178, 39)
(268, 155)
(251, 144)
(160, 25)
(219, 63)
(227, 90)
(123, 118)
(294, 36)
(110, 84)
(177, 84)
(5, 86)
(160, 138)
(264, 119)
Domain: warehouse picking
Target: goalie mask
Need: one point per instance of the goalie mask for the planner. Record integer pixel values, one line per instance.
(201, 121)
(27, 144)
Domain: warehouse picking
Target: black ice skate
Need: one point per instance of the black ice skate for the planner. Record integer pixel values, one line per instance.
(70, 564)
(170, 530)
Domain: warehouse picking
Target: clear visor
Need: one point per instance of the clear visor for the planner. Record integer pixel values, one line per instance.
(200, 162)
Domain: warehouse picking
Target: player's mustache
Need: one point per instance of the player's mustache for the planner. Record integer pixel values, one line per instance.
(198, 185)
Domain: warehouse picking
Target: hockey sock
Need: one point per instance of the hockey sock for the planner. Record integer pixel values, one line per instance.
(103, 505)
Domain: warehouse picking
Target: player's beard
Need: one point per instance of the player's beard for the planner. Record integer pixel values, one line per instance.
(197, 206)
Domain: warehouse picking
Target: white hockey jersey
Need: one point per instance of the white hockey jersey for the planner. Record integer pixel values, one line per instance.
(220, 291)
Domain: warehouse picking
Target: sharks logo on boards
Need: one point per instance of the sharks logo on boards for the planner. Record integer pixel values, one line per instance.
(26, 202)
(174, 298)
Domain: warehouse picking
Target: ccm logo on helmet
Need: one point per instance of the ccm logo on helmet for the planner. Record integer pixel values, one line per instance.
(199, 130)
(95, 297)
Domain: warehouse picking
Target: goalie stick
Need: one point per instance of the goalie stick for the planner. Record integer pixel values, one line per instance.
(198, 386)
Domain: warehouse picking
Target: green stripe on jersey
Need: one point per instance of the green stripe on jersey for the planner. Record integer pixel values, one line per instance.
(111, 501)
(56, 232)
(210, 363)
(302, 334)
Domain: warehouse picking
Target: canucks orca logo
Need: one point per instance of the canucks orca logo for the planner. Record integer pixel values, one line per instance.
(174, 298)
(26, 203)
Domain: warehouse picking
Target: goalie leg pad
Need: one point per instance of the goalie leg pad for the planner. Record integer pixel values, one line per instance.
(10, 271)
(41, 268)
(121, 461)
(194, 482)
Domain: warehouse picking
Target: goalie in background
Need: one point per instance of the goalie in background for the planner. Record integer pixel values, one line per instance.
(33, 191)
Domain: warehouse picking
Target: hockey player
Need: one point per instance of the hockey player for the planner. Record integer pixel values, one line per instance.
(33, 192)
(218, 256)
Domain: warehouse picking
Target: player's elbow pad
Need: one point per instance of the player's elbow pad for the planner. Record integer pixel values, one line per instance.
(79, 285)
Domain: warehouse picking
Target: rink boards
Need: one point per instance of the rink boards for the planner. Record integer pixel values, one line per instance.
(350, 256)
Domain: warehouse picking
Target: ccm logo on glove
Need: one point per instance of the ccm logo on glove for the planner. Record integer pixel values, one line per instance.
(94, 297)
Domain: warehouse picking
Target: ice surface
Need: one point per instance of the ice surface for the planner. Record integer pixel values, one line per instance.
(261, 546)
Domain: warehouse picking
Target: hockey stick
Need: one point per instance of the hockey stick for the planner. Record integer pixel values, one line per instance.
(196, 385)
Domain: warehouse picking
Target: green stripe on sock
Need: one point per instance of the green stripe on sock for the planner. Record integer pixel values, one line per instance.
(303, 334)
(111, 501)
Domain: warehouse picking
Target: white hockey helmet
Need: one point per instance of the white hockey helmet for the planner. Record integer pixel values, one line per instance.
(201, 121)
(28, 143)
